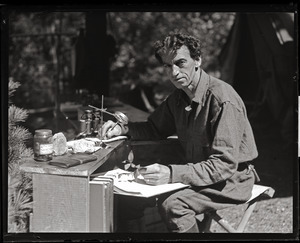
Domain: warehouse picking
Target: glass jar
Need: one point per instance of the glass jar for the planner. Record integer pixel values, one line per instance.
(43, 145)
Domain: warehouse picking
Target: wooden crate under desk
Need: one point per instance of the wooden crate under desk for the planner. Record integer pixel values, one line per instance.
(61, 197)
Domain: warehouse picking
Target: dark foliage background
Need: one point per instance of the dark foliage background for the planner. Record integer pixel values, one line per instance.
(39, 56)
(41, 50)
(136, 32)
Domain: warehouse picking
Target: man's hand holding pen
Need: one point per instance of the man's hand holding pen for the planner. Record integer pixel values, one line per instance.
(111, 129)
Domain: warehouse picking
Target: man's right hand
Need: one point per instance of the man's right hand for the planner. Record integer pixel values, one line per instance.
(110, 129)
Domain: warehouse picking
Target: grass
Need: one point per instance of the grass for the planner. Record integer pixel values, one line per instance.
(269, 216)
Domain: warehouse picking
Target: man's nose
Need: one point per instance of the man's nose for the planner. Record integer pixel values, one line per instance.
(175, 71)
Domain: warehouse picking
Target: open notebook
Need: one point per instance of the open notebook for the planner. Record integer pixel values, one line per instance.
(124, 184)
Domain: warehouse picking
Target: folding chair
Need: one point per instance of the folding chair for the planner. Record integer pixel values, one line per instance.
(258, 192)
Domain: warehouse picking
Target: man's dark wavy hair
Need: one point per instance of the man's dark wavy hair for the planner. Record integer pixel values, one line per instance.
(174, 41)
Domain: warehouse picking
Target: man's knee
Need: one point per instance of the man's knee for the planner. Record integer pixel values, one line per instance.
(176, 212)
(169, 205)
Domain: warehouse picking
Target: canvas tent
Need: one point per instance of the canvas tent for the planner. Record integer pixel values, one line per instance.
(259, 61)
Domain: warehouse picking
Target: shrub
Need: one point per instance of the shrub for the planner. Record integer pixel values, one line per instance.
(19, 183)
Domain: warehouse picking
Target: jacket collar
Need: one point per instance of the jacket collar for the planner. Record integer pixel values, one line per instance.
(201, 88)
(200, 94)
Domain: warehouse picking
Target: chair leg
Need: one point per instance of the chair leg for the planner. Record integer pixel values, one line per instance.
(246, 217)
(223, 223)
(257, 192)
(204, 225)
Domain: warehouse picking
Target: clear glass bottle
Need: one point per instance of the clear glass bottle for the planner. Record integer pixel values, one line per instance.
(43, 145)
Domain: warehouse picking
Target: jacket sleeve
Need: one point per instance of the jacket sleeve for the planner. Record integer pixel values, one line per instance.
(159, 125)
(227, 127)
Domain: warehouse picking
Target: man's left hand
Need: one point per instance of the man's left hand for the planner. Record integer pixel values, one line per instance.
(155, 174)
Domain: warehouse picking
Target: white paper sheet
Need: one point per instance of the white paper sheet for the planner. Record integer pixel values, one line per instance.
(131, 188)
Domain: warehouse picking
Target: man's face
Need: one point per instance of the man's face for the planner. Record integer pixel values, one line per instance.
(180, 67)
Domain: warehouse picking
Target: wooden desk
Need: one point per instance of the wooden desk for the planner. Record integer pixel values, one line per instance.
(61, 197)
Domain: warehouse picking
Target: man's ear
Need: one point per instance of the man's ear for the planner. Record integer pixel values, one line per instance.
(198, 62)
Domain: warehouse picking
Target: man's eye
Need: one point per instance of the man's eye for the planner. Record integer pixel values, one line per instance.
(166, 65)
(180, 63)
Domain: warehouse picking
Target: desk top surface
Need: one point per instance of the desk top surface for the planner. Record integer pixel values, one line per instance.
(85, 170)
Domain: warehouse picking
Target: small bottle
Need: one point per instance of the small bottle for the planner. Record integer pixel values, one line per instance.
(88, 122)
(96, 122)
(43, 145)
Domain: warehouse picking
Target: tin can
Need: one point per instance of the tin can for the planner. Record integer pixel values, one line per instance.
(43, 145)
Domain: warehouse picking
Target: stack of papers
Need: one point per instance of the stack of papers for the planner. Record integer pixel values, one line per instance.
(125, 184)
(90, 144)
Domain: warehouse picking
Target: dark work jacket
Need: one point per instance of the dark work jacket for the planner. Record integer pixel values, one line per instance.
(215, 133)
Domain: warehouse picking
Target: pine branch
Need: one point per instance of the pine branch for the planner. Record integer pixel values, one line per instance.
(16, 114)
(15, 158)
(12, 86)
(19, 205)
(18, 135)
(19, 183)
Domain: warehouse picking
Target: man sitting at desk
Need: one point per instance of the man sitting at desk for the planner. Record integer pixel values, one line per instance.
(211, 122)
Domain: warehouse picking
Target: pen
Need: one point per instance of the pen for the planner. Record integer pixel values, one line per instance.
(110, 128)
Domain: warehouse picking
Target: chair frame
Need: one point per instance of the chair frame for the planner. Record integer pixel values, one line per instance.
(258, 192)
